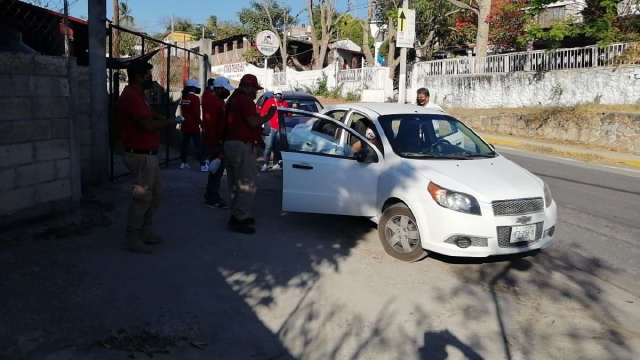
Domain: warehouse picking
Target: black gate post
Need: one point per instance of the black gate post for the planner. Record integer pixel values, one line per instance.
(142, 37)
(169, 116)
(111, 101)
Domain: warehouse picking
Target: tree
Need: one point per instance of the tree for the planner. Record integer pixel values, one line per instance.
(328, 23)
(367, 39)
(481, 9)
(268, 15)
(387, 11)
(434, 25)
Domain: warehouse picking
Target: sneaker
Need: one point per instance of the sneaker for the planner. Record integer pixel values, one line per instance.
(185, 166)
(216, 204)
(276, 167)
(240, 227)
(204, 168)
(265, 167)
(136, 246)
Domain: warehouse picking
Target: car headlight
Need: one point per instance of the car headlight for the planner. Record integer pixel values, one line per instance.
(548, 199)
(453, 200)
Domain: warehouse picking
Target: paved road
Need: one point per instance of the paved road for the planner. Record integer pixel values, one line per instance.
(599, 212)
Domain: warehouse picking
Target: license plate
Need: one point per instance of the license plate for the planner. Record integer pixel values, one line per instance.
(523, 233)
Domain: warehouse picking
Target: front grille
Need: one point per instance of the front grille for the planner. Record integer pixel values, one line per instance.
(504, 236)
(517, 207)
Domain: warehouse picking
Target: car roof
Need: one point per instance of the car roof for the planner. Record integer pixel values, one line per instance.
(387, 108)
(287, 94)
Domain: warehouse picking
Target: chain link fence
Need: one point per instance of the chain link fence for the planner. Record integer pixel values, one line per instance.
(38, 26)
(172, 67)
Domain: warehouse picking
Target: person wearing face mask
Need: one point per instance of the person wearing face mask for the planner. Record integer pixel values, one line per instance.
(190, 106)
(213, 124)
(242, 135)
(278, 101)
(141, 139)
(422, 99)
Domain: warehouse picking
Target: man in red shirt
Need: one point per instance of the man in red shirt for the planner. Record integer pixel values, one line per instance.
(190, 106)
(277, 101)
(244, 132)
(213, 124)
(141, 139)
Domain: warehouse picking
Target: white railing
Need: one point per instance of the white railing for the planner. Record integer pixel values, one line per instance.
(279, 79)
(372, 78)
(539, 60)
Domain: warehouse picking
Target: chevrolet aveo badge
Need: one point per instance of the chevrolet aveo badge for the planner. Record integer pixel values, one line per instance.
(523, 219)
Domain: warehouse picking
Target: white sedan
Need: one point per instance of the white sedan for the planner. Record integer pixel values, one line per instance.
(426, 179)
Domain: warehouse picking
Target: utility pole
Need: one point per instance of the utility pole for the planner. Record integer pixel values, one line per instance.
(116, 32)
(172, 21)
(402, 82)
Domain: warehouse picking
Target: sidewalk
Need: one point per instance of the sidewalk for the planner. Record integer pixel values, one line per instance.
(561, 149)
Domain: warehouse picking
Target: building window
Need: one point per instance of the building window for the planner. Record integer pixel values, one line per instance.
(552, 15)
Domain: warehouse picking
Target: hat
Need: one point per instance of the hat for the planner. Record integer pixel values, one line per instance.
(277, 91)
(251, 80)
(193, 83)
(222, 82)
(369, 134)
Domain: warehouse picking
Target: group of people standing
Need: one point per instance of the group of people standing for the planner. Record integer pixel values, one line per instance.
(231, 134)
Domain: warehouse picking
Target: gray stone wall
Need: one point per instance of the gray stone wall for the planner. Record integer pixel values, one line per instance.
(36, 146)
(83, 118)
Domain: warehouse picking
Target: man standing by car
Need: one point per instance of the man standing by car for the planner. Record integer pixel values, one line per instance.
(212, 130)
(277, 101)
(422, 99)
(244, 132)
(141, 139)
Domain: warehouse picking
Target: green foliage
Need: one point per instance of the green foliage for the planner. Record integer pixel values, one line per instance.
(255, 19)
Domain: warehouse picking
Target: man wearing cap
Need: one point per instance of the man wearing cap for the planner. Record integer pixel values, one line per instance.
(277, 101)
(190, 106)
(213, 126)
(244, 132)
(141, 139)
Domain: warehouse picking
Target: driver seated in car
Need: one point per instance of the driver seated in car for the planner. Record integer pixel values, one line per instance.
(371, 136)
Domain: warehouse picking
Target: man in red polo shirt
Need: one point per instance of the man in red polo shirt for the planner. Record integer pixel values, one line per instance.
(244, 132)
(141, 139)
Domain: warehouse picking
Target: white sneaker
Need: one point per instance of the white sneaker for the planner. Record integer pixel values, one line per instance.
(204, 168)
(276, 167)
(265, 167)
(185, 166)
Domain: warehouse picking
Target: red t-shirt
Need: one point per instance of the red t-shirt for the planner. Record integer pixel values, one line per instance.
(213, 120)
(241, 108)
(273, 122)
(190, 106)
(133, 105)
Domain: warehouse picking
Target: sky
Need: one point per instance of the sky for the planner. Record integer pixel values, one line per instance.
(149, 14)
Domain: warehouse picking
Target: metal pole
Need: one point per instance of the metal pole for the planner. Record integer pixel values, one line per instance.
(265, 73)
(168, 99)
(402, 83)
(67, 45)
(142, 46)
(112, 100)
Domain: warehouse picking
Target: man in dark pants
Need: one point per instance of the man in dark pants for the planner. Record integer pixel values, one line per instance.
(141, 139)
(244, 132)
(213, 128)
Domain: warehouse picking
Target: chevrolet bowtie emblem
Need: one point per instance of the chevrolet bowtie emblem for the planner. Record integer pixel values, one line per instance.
(523, 219)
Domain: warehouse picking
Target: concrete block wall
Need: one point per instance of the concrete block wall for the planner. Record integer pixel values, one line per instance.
(36, 159)
(83, 118)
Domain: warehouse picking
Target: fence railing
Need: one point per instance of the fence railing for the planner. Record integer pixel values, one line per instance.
(172, 67)
(372, 78)
(279, 79)
(539, 60)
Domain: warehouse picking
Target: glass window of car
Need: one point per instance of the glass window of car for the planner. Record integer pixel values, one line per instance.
(310, 105)
(320, 138)
(338, 115)
(432, 136)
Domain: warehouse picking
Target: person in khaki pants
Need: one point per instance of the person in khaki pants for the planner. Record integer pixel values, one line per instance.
(244, 132)
(141, 139)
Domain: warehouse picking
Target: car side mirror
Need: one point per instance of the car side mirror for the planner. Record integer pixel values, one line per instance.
(366, 155)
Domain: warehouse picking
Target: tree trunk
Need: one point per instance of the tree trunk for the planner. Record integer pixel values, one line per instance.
(366, 30)
(482, 35)
(392, 61)
(116, 34)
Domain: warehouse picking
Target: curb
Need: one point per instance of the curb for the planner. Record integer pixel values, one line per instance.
(515, 144)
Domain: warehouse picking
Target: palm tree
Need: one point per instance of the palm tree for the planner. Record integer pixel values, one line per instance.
(126, 19)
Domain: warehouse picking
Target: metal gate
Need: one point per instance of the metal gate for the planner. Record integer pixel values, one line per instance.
(172, 67)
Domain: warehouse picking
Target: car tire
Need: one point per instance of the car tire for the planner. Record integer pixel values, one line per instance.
(407, 249)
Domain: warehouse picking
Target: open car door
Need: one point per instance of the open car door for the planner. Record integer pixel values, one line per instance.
(321, 173)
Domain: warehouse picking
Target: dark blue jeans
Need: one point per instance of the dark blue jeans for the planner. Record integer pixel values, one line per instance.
(213, 184)
(184, 150)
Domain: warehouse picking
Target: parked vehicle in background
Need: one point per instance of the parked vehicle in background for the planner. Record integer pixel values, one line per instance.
(428, 181)
(297, 100)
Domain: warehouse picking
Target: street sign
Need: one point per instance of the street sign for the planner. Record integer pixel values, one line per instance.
(406, 35)
(267, 42)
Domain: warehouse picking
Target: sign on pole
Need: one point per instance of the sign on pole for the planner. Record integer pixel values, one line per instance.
(267, 43)
(406, 28)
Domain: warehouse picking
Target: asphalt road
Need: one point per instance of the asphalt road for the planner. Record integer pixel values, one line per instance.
(598, 211)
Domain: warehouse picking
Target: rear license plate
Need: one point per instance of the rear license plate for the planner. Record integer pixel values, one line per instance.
(523, 233)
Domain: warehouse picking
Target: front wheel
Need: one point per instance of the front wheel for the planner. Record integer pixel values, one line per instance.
(399, 234)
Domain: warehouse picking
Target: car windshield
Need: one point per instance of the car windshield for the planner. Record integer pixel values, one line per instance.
(433, 136)
(310, 105)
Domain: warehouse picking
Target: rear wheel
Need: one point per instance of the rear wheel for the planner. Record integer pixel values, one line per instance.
(399, 234)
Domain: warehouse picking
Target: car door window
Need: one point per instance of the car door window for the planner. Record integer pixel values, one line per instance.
(337, 115)
(443, 128)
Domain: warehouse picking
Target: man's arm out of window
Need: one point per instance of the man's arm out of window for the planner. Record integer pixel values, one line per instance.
(252, 117)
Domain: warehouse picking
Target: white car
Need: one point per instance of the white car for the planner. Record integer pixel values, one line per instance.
(426, 179)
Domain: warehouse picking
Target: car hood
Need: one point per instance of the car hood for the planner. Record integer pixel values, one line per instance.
(486, 179)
